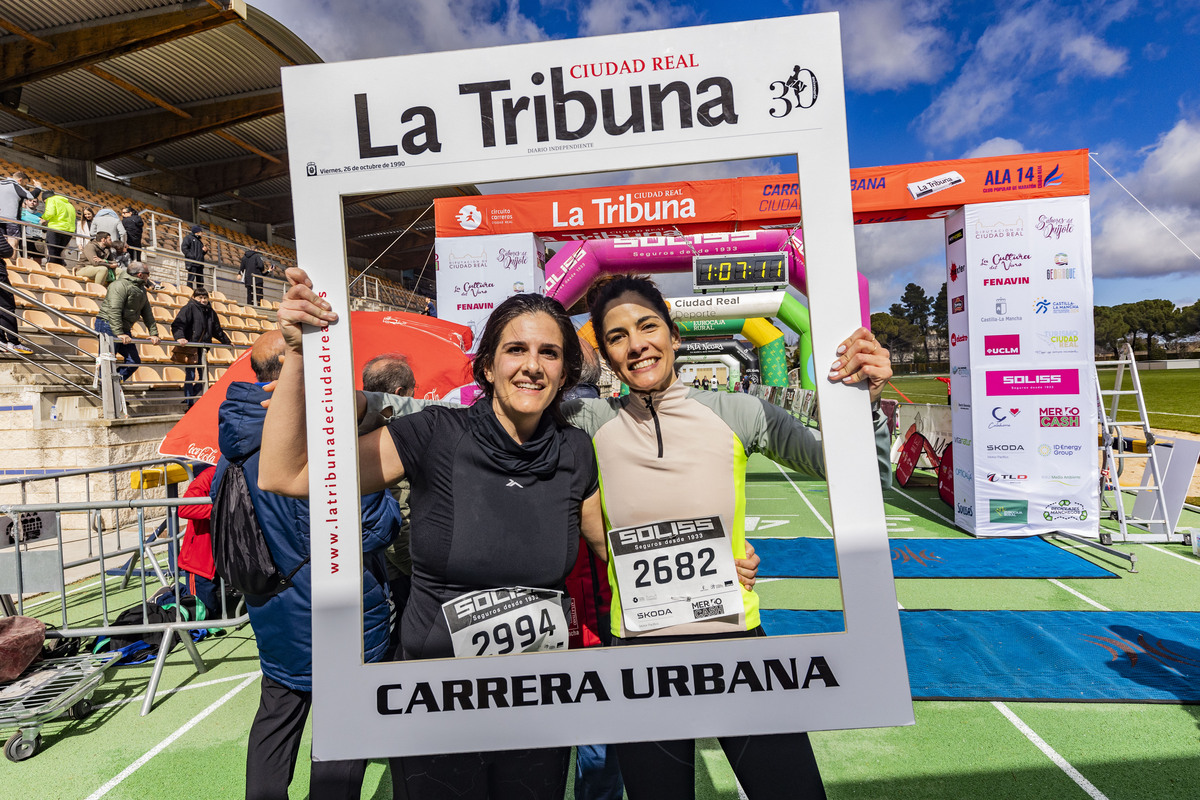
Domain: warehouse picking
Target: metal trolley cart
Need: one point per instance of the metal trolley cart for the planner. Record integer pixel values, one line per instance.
(45, 691)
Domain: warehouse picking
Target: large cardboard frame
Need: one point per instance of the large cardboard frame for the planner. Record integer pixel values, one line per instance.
(368, 126)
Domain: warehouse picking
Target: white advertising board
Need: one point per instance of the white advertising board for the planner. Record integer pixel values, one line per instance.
(529, 111)
(958, 324)
(1033, 400)
(477, 273)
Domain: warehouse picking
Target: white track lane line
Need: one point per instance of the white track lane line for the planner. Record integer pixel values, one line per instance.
(167, 742)
(188, 688)
(787, 477)
(1192, 561)
(922, 505)
(1080, 595)
(1050, 752)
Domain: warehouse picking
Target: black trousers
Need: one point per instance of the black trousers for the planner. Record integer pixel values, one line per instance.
(254, 290)
(8, 302)
(768, 767)
(195, 276)
(506, 775)
(275, 743)
(56, 242)
(771, 766)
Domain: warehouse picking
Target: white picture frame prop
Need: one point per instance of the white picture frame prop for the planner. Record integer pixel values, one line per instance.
(734, 91)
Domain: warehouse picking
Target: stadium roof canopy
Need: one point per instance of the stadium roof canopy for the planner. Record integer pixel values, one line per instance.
(177, 98)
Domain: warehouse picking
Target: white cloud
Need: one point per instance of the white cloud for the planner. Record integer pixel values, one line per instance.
(1171, 173)
(1016, 55)
(997, 146)
(601, 17)
(375, 28)
(891, 44)
(894, 254)
(1127, 241)
(1087, 55)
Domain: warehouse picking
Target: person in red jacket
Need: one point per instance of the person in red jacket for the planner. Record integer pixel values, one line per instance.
(195, 554)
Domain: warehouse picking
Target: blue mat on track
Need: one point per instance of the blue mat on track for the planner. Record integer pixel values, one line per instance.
(1067, 656)
(1029, 557)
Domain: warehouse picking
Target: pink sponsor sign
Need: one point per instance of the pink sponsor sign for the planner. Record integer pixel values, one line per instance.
(1032, 381)
(1005, 344)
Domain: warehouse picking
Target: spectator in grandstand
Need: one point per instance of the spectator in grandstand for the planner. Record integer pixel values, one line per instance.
(34, 238)
(8, 306)
(13, 192)
(391, 373)
(95, 260)
(59, 217)
(282, 623)
(195, 322)
(252, 272)
(107, 220)
(194, 250)
(131, 221)
(126, 303)
(83, 227)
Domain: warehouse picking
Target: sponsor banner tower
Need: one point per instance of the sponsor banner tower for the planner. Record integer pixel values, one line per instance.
(1024, 404)
(477, 274)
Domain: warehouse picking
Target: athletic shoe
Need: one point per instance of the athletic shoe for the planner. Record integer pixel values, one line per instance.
(20, 349)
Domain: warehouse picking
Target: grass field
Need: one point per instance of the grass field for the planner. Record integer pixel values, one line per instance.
(1171, 395)
(192, 746)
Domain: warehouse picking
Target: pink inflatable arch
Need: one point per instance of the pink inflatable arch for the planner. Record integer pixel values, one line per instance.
(576, 265)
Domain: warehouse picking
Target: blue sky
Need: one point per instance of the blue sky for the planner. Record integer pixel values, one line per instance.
(926, 79)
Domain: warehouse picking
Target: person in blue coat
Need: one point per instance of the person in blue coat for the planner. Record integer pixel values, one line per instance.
(283, 623)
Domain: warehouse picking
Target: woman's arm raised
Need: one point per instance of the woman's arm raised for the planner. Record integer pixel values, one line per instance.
(283, 463)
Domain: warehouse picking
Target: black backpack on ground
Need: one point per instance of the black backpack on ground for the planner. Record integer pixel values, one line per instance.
(240, 550)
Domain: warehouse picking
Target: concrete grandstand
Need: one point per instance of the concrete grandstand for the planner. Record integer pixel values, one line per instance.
(174, 109)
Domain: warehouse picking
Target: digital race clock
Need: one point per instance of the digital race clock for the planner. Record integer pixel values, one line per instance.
(740, 271)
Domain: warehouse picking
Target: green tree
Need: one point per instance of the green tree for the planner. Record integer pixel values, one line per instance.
(1151, 318)
(1189, 319)
(915, 306)
(1111, 328)
(941, 320)
(897, 334)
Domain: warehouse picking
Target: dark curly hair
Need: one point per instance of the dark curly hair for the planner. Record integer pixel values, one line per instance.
(516, 306)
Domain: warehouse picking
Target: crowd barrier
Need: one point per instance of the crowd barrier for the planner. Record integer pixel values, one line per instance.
(124, 532)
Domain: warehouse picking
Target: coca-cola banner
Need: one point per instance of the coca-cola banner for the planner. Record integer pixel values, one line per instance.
(1026, 461)
(474, 275)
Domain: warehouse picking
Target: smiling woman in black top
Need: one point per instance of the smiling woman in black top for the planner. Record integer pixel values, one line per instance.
(501, 493)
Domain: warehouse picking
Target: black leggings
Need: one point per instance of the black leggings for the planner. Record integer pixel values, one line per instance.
(506, 775)
(8, 302)
(771, 766)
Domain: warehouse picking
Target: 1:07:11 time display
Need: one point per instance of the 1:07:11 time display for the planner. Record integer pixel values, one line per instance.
(765, 269)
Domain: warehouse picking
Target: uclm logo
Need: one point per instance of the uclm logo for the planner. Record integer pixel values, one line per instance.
(1032, 381)
(1007, 344)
